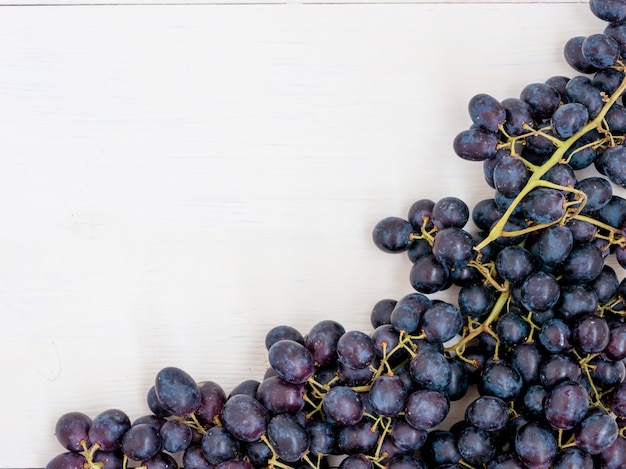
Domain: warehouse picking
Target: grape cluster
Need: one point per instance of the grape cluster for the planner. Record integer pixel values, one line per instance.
(538, 328)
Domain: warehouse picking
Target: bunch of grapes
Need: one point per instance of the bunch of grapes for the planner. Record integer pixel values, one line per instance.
(538, 328)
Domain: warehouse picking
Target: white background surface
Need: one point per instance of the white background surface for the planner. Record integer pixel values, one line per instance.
(178, 179)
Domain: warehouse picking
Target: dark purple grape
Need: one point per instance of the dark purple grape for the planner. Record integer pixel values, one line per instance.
(361, 437)
(282, 332)
(614, 457)
(488, 413)
(582, 231)
(418, 249)
(161, 460)
(618, 400)
(576, 301)
(591, 334)
(343, 406)
(558, 82)
(566, 405)
(391, 234)
(380, 315)
(212, 399)
(385, 338)
(555, 336)
(425, 409)
(69, 460)
(574, 56)
(356, 461)
(557, 368)
(542, 98)
(519, 114)
(321, 437)
(405, 461)
(608, 10)
(72, 431)
(476, 300)
(322, 339)
(502, 380)
(514, 264)
(527, 358)
(613, 213)
(510, 176)
(428, 275)
(177, 391)
(573, 458)
(485, 111)
(536, 446)
(141, 442)
(420, 214)
(154, 405)
(533, 399)
(154, 421)
(244, 417)
(109, 459)
(561, 174)
(108, 429)
(544, 205)
(616, 119)
(218, 445)
(406, 437)
(176, 436)
(356, 350)
(598, 191)
(247, 387)
(475, 445)
(440, 449)
(485, 213)
(540, 291)
(600, 50)
(475, 144)
(453, 247)
(607, 374)
(570, 119)
(617, 31)
(278, 395)
(288, 438)
(441, 322)
(612, 163)
(554, 244)
(430, 370)
(407, 314)
(458, 385)
(356, 376)
(596, 432)
(193, 458)
(584, 263)
(387, 396)
(292, 361)
(512, 329)
(450, 212)
(580, 89)
(616, 348)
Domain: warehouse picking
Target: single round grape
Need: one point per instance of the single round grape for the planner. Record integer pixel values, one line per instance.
(391, 234)
(600, 50)
(557, 368)
(244, 417)
(598, 191)
(574, 56)
(453, 247)
(519, 114)
(247, 387)
(343, 405)
(458, 385)
(536, 446)
(512, 329)
(387, 396)
(108, 429)
(606, 374)
(542, 98)
(72, 431)
(425, 409)
(441, 322)
(527, 358)
(475, 445)
(356, 461)
(612, 163)
(608, 10)
(485, 213)
(616, 348)
(584, 263)
(613, 213)
(573, 458)
(430, 370)
(292, 361)
(212, 399)
(501, 380)
(488, 413)
(278, 395)
(361, 437)
(540, 291)
(510, 176)
(218, 445)
(596, 432)
(486, 112)
(555, 336)
(405, 461)
(406, 437)
(380, 314)
(544, 205)
(193, 458)
(475, 144)
(288, 438)
(418, 249)
(476, 300)
(591, 334)
(614, 457)
(428, 275)
(321, 341)
(68, 460)
(533, 400)
(514, 264)
(554, 244)
(617, 30)
(616, 118)
(356, 376)
(154, 405)
(177, 391)
(420, 214)
(408, 311)
(356, 349)
(450, 212)
(321, 437)
(576, 301)
(141, 442)
(282, 332)
(176, 436)
(566, 405)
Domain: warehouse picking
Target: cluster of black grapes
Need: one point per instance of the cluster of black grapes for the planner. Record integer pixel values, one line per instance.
(539, 328)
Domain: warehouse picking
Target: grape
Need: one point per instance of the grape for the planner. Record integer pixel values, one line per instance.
(428, 275)
(573, 458)
(278, 395)
(475, 144)
(218, 445)
(612, 163)
(193, 458)
(543, 205)
(608, 10)
(441, 449)
(536, 446)
(488, 413)
(356, 461)
(441, 322)
(69, 460)
(580, 89)
(176, 436)
(72, 431)
(322, 339)
(406, 437)
(584, 263)
(453, 247)
(574, 55)
(475, 445)
(486, 112)
(555, 336)
(282, 332)
(566, 405)
(343, 405)
(514, 264)
(391, 234)
(108, 429)
(361, 437)
(510, 175)
(576, 301)
(247, 387)
(407, 314)
(380, 315)
(212, 399)
(430, 370)
(292, 361)
(519, 114)
(596, 432)
(600, 50)
(141, 442)
(542, 98)
(387, 396)
(426, 409)
(321, 437)
(289, 439)
(614, 456)
(554, 245)
(501, 380)
(356, 350)
(160, 460)
(591, 334)
(177, 391)
(540, 291)
(244, 417)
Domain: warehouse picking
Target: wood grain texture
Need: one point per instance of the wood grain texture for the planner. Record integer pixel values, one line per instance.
(176, 180)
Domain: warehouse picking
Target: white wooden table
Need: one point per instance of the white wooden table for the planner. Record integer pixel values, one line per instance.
(176, 179)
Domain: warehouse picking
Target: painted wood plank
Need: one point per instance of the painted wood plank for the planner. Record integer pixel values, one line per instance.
(176, 181)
